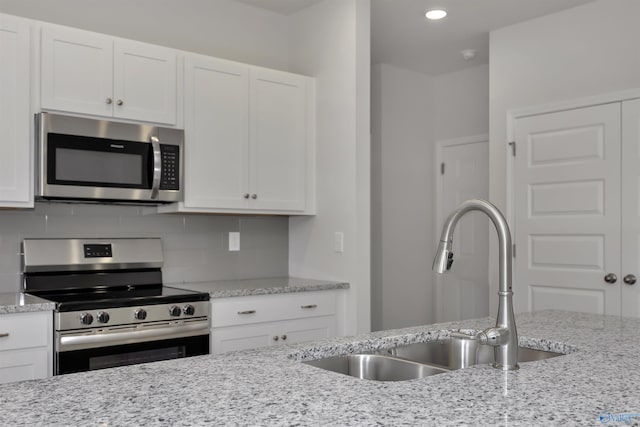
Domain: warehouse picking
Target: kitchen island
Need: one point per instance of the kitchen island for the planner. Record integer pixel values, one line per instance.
(598, 378)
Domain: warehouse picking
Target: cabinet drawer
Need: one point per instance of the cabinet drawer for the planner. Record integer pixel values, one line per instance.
(25, 330)
(247, 310)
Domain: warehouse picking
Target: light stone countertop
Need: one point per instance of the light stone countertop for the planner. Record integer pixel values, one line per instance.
(269, 286)
(17, 302)
(270, 386)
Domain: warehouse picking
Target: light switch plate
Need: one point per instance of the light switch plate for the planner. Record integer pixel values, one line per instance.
(234, 241)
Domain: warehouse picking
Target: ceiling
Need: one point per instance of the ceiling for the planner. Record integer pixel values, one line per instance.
(401, 36)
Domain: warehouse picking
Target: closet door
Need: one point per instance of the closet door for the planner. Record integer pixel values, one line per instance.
(630, 236)
(567, 205)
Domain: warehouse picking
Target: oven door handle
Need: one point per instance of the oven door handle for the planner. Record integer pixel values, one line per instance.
(157, 167)
(80, 342)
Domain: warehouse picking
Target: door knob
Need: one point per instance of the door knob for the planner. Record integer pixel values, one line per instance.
(611, 278)
(629, 279)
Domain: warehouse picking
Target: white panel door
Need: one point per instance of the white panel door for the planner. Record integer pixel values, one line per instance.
(630, 237)
(76, 71)
(463, 293)
(277, 140)
(15, 120)
(567, 210)
(145, 82)
(216, 133)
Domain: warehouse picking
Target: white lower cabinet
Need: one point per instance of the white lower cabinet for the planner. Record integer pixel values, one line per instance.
(243, 323)
(26, 346)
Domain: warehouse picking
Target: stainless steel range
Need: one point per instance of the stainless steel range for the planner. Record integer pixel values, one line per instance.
(111, 306)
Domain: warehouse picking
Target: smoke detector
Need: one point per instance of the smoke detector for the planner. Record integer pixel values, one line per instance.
(469, 54)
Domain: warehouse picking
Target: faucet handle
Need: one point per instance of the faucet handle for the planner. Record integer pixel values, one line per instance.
(463, 336)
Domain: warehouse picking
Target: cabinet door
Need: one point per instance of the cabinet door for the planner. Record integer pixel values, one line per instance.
(216, 133)
(246, 337)
(277, 140)
(76, 71)
(15, 120)
(567, 210)
(145, 82)
(630, 207)
(310, 329)
(22, 365)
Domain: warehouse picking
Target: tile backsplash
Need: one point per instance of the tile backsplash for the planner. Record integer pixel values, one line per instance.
(195, 246)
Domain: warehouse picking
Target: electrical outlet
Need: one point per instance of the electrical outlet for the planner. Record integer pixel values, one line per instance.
(234, 241)
(338, 242)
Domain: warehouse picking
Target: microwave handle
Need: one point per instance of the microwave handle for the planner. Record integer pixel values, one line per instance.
(157, 167)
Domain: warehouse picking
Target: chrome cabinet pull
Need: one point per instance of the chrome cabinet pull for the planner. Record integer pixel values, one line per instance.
(309, 306)
(4, 335)
(276, 338)
(629, 279)
(108, 101)
(611, 278)
(246, 196)
(284, 337)
(247, 312)
(254, 196)
(119, 102)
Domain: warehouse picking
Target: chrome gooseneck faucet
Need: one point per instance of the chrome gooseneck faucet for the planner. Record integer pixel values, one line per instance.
(503, 337)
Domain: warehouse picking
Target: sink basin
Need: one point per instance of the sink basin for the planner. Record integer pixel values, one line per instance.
(376, 367)
(460, 353)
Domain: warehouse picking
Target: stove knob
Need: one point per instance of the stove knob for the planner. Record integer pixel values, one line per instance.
(174, 310)
(140, 314)
(103, 317)
(189, 310)
(86, 318)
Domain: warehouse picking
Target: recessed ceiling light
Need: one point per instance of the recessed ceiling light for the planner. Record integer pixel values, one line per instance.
(436, 14)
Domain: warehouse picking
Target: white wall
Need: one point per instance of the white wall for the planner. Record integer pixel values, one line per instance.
(403, 193)
(222, 28)
(411, 111)
(331, 42)
(588, 50)
(462, 103)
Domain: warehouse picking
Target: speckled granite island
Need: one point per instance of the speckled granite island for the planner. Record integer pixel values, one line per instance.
(599, 377)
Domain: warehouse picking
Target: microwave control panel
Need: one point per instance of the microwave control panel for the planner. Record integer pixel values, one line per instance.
(170, 178)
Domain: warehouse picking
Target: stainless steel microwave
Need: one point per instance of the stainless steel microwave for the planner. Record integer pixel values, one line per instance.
(99, 160)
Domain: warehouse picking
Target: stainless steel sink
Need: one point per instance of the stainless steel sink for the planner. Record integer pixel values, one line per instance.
(376, 367)
(460, 353)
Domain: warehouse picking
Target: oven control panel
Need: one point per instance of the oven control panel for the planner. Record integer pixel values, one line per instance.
(118, 316)
(98, 250)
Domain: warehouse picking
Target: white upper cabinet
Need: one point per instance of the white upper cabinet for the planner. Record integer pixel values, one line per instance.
(277, 140)
(216, 133)
(16, 184)
(248, 139)
(145, 82)
(90, 73)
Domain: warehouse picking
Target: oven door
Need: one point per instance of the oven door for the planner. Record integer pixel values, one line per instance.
(130, 354)
(98, 348)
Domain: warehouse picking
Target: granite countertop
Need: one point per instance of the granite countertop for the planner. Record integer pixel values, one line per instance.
(271, 387)
(248, 287)
(17, 302)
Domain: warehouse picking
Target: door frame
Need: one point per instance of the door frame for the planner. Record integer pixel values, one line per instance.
(438, 218)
